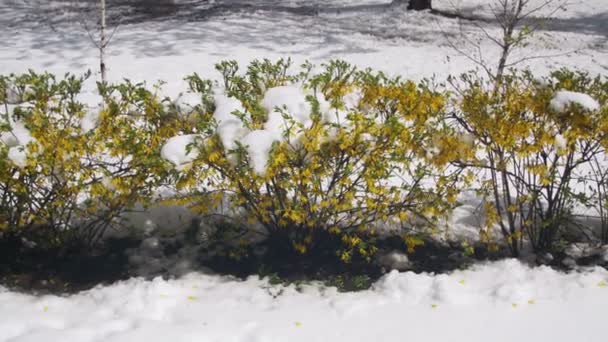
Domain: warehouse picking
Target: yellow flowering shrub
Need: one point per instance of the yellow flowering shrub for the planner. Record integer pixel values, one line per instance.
(69, 171)
(529, 150)
(384, 162)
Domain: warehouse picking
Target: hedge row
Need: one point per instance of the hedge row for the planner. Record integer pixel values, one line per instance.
(343, 151)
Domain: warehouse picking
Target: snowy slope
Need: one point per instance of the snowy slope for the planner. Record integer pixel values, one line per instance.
(503, 301)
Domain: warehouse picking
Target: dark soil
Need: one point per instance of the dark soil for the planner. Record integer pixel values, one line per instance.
(34, 270)
(43, 271)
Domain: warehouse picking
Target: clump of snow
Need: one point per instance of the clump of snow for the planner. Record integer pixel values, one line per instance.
(564, 99)
(106, 181)
(229, 127)
(293, 100)
(21, 133)
(279, 101)
(179, 150)
(12, 96)
(16, 140)
(339, 116)
(395, 260)
(90, 120)
(18, 156)
(560, 142)
(9, 139)
(187, 101)
(259, 143)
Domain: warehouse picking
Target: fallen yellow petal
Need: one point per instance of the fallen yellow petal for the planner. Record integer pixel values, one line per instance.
(298, 324)
(191, 298)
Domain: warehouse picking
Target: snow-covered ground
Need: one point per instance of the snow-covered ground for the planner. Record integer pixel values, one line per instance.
(502, 301)
(368, 33)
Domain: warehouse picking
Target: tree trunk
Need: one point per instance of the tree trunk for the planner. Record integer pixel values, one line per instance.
(103, 42)
(419, 5)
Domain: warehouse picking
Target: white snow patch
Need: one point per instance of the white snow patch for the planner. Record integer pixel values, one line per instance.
(177, 152)
(18, 156)
(90, 120)
(259, 143)
(560, 142)
(395, 260)
(188, 100)
(563, 99)
(471, 304)
(229, 127)
(21, 133)
(9, 139)
(279, 101)
(292, 99)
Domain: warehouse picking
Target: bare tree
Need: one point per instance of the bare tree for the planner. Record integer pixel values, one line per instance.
(103, 41)
(92, 15)
(517, 21)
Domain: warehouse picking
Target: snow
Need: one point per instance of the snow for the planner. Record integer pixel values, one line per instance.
(230, 127)
(188, 100)
(18, 155)
(19, 134)
(259, 144)
(395, 260)
(537, 304)
(502, 301)
(290, 101)
(180, 151)
(16, 140)
(90, 119)
(9, 139)
(560, 142)
(564, 99)
(293, 100)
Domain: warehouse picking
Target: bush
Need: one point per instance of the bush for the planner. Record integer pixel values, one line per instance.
(340, 152)
(317, 162)
(530, 147)
(67, 172)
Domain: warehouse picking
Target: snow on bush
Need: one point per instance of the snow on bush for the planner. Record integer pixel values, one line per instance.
(16, 138)
(529, 152)
(18, 156)
(563, 99)
(288, 101)
(306, 178)
(188, 100)
(293, 99)
(90, 119)
(229, 127)
(180, 150)
(69, 170)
